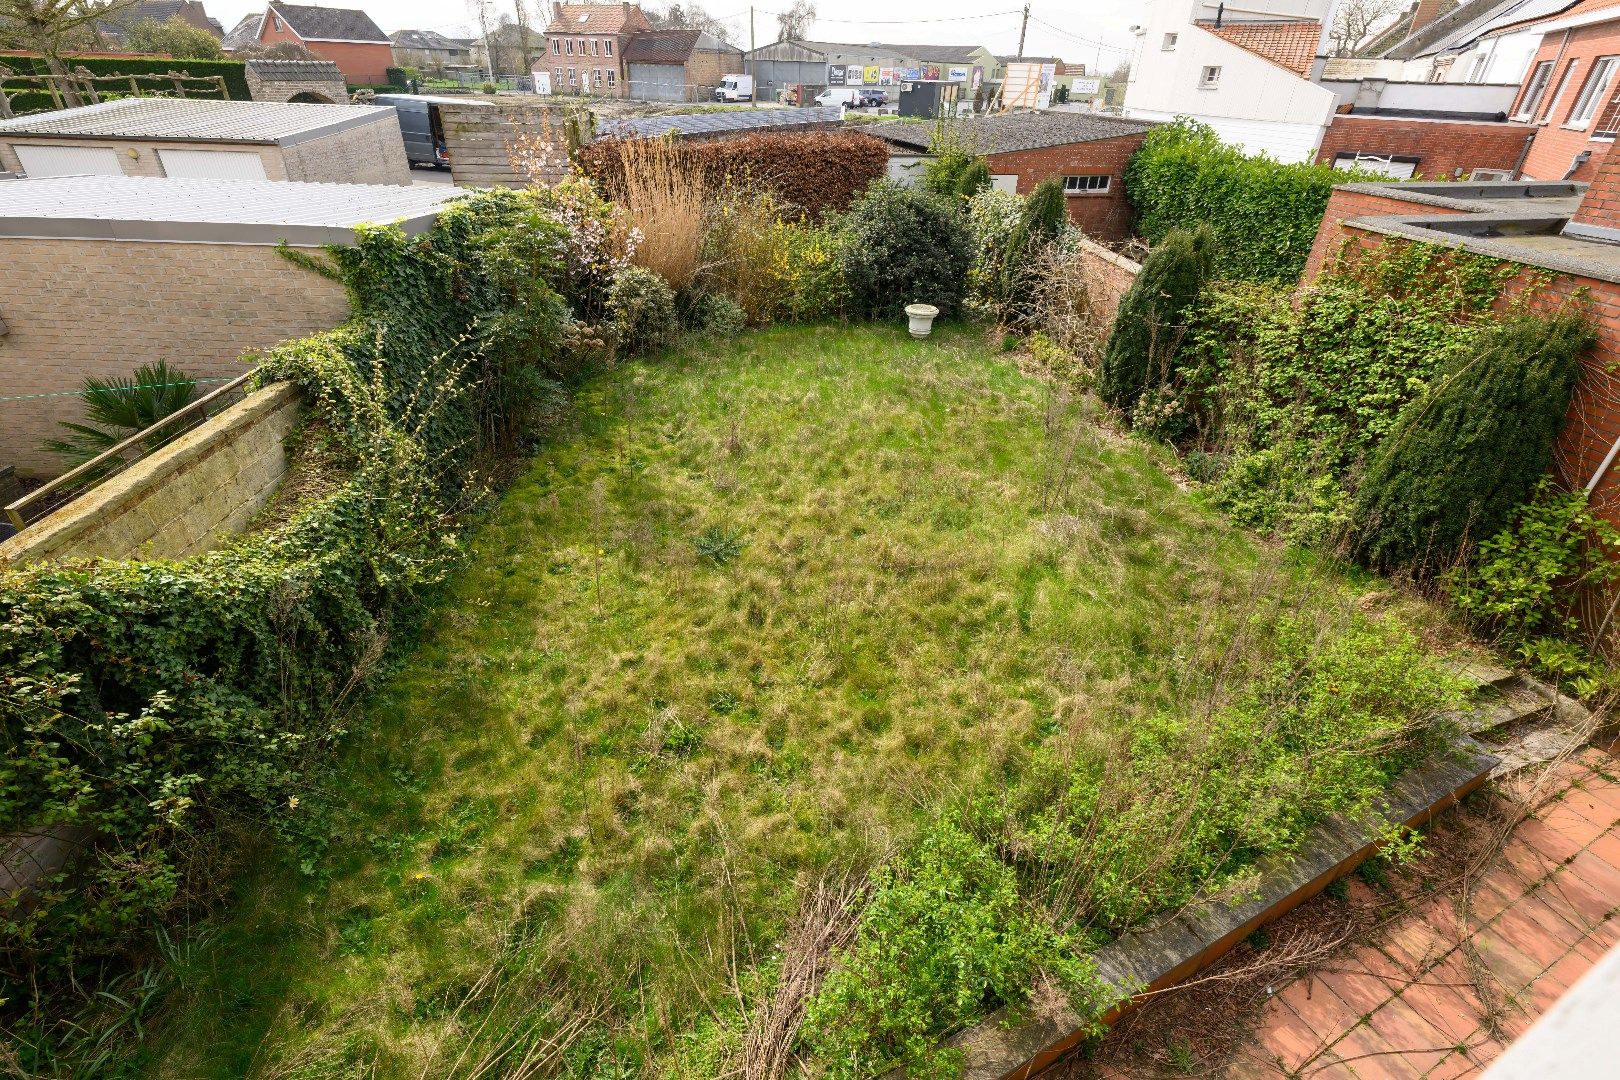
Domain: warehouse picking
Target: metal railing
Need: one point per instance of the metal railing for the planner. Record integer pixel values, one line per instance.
(57, 493)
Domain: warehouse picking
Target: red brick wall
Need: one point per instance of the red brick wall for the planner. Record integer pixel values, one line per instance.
(1103, 216)
(1601, 203)
(360, 62)
(1594, 415)
(1556, 147)
(1441, 146)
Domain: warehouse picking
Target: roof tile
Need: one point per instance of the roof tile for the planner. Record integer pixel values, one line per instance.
(1289, 44)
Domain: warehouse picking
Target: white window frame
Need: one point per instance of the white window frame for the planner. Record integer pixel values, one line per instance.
(573, 76)
(1169, 43)
(596, 78)
(607, 46)
(596, 46)
(569, 45)
(556, 47)
(1490, 174)
(1594, 91)
(612, 79)
(1087, 184)
(1535, 90)
(1210, 77)
(1563, 84)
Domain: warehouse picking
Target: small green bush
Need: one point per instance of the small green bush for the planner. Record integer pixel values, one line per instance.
(1153, 318)
(1046, 211)
(973, 179)
(718, 315)
(396, 76)
(641, 311)
(1469, 451)
(993, 223)
(904, 246)
(944, 934)
(1264, 214)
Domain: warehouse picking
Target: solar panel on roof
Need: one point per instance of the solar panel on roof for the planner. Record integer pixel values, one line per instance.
(708, 123)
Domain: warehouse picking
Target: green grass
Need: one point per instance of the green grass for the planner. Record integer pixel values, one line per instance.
(765, 608)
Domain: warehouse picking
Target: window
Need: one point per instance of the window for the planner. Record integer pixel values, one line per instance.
(582, 46)
(1394, 166)
(573, 77)
(570, 46)
(607, 47)
(556, 47)
(1563, 84)
(1490, 174)
(612, 81)
(1535, 90)
(1085, 185)
(275, 20)
(596, 78)
(1608, 125)
(1592, 91)
(1169, 43)
(596, 47)
(1210, 79)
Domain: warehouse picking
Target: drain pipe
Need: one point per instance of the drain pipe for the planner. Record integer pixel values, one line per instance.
(1524, 153)
(1580, 159)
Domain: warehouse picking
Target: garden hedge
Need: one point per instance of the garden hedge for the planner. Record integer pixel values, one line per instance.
(820, 171)
(1263, 213)
(233, 71)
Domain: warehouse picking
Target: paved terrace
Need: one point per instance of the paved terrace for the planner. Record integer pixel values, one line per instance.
(1409, 1005)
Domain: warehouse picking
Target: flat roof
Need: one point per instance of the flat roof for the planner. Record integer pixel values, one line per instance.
(159, 209)
(738, 119)
(197, 120)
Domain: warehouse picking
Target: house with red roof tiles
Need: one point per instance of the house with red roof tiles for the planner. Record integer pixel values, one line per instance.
(1245, 73)
(585, 46)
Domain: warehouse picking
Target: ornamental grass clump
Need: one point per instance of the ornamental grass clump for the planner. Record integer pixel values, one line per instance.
(1471, 449)
(665, 194)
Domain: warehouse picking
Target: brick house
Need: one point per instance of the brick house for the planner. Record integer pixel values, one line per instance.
(198, 138)
(1087, 151)
(193, 13)
(345, 36)
(1571, 96)
(678, 65)
(585, 45)
(1434, 147)
(109, 272)
(1566, 228)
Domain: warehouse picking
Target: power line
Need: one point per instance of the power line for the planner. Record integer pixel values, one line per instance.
(1093, 42)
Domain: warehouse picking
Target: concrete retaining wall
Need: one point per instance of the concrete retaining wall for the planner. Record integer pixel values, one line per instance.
(184, 499)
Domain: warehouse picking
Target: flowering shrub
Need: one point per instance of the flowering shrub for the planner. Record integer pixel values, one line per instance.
(774, 267)
(596, 242)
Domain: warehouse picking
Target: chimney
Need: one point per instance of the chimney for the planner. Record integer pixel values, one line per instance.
(556, 10)
(1427, 11)
(1598, 216)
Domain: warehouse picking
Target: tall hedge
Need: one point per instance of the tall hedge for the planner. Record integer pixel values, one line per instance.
(904, 246)
(1153, 317)
(820, 171)
(1263, 213)
(234, 72)
(1472, 448)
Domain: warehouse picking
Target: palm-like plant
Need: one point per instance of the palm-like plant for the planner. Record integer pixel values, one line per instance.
(118, 408)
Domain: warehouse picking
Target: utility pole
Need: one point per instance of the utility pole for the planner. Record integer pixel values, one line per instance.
(1023, 27)
(748, 65)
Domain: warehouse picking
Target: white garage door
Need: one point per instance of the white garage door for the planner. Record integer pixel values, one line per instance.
(213, 164)
(68, 160)
(1005, 182)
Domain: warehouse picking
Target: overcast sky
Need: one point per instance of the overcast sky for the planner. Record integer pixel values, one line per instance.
(1070, 30)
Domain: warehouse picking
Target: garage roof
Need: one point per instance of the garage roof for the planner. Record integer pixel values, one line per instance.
(651, 127)
(197, 120)
(166, 209)
(1007, 133)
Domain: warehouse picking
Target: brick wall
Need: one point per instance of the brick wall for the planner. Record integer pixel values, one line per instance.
(186, 498)
(360, 62)
(1108, 277)
(335, 91)
(1442, 147)
(1556, 145)
(100, 307)
(368, 154)
(1600, 206)
(1105, 216)
(705, 68)
(1593, 424)
(145, 160)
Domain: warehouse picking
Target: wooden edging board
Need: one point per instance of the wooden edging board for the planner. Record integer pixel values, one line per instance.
(1160, 956)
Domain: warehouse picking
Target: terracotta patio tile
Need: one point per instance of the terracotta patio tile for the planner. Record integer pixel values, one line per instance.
(1319, 1008)
(1603, 878)
(1531, 938)
(1422, 1045)
(1527, 863)
(1483, 1049)
(1369, 1055)
(1552, 844)
(1507, 963)
(1452, 1011)
(1590, 804)
(1553, 922)
(1492, 893)
(1364, 980)
(1607, 848)
(1452, 1067)
(1568, 971)
(1416, 944)
(1285, 1036)
(1575, 900)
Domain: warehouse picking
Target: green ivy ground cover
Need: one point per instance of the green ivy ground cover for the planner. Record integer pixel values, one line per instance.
(818, 605)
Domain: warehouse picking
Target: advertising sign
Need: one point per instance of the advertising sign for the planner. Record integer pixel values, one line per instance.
(930, 73)
(911, 74)
(870, 75)
(888, 77)
(835, 74)
(957, 74)
(1084, 86)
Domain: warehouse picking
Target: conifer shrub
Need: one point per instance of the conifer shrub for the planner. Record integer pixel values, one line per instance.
(1469, 451)
(1153, 318)
(974, 178)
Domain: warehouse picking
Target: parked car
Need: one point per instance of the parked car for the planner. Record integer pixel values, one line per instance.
(840, 95)
(873, 99)
(735, 88)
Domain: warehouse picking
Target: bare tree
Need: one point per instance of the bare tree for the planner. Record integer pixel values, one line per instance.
(50, 27)
(690, 17)
(795, 21)
(1354, 20)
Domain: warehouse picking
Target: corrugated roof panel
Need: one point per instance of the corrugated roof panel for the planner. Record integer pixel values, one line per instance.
(198, 119)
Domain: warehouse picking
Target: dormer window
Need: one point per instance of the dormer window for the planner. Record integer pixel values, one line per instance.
(275, 20)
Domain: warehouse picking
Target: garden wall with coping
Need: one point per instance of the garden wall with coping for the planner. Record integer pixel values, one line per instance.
(1109, 276)
(182, 500)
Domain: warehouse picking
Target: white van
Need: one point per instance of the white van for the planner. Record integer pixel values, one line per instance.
(735, 88)
(840, 95)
